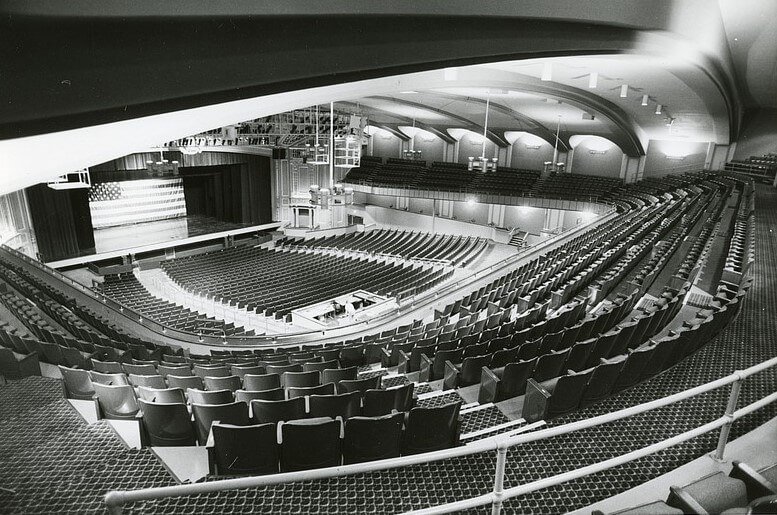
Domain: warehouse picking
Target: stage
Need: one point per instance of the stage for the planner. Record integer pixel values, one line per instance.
(126, 237)
(113, 242)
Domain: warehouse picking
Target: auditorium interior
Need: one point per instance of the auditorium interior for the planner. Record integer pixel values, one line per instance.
(388, 256)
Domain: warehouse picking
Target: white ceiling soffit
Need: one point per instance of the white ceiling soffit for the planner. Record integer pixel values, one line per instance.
(685, 90)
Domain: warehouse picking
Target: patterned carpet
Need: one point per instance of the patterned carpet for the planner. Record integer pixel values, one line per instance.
(750, 339)
(54, 463)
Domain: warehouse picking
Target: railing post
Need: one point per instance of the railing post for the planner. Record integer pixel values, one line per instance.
(499, 478)
(115, 503)
(733, 398)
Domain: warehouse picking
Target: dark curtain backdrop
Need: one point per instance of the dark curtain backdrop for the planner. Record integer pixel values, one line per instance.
(62, 222)
(232, 193)
(232, 187)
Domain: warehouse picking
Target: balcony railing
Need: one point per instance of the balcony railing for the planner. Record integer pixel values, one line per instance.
(500, 444)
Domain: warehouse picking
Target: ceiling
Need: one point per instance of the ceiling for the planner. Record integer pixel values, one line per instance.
(569, 99)
(90, 82)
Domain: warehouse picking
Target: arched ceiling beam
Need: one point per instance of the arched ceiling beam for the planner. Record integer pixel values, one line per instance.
(403, 121)
(466, 123)
(622, 127)
(393, 130)
(534, 126)
(629, 140)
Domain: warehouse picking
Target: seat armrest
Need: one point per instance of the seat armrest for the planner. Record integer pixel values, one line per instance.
(385, 357)
(97, 409)
(756, 484)
(212, 469)
(489, 386)
(451, 378)
(30, 365)
(535, 402)
(682, 500)
(211, 443)
(404, 362)
(425, 370)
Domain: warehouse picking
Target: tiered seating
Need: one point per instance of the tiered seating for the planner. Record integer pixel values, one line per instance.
(446, 176)
(274, 282)
(301, 391)
(126, 289)
(575, 187)
(629, 355)
(534, 328)
(760, 167)
(515, 181)
(453, 250)
(741, 251)
(443, 176)
(366, 172)
(103, 334)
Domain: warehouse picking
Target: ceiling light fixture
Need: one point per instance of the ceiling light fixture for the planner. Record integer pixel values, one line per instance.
(593, 80)
(482, 163)
(316, 154)
(547, 72)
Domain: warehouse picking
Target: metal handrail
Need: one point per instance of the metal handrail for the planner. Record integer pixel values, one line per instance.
(115, 500)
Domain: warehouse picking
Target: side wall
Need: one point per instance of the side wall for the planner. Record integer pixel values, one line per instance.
(759, 134)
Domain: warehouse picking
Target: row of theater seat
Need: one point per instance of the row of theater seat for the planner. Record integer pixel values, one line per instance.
(468, 370)
(128, 290)
(741, 240)
(588, 353)
(454, 250)
(273, 282)
(105, 334)
(581, 387)
(743, 490)
(566, 393)
(246, 430)
(571, 186)
(317, 442)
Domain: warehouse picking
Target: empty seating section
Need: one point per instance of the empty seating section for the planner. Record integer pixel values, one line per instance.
(453, 250)
(297, 409)
(759, 167)
(126, 289)
(570, 186)
(564, 330)
(443, 176)
(455, 177)
(274, 282)
(81, 334)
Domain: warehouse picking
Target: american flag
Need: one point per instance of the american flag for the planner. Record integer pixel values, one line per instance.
(131, 202)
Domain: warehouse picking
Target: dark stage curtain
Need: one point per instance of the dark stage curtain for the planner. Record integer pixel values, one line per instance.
(62, 222)
(237, 193)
